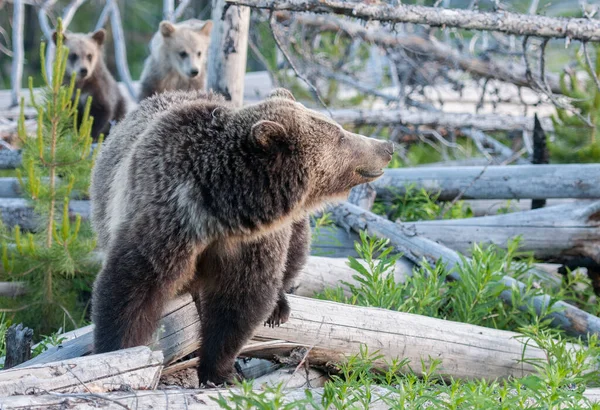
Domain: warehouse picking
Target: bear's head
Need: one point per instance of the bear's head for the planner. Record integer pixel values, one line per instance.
(85, 51)
(184, 45)
(327, 160)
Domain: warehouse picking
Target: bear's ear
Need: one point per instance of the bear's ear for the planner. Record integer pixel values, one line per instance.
(282, 93)
(206, 28)
(267, 134)
(166, 28)
(99, 36)
(55, 37)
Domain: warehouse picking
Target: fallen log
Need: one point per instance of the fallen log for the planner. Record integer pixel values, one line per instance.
(17, 211)
(293, 378)
(484, 122)
(135, 368)
(496, 182)
(18, 345)
(329, 332)
(488, 207)
(428, 48)
(363, 196)
(180, 399)
(12, 289)
(554, 232)
(571, 319)
(502, 21)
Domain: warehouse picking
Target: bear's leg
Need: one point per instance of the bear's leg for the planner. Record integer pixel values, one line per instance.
(132, 289)
(239, 290)
(296, 259)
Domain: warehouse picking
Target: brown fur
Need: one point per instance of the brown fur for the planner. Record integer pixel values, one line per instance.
(177, 58)
(86, 60)
(195, 195)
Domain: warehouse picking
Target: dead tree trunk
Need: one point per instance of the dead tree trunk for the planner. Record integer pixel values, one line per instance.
(18, 51)
(496, 182)
(540, 155)
(502, 21)
(571, 319)
(18, 345)
(228, 50)
(550, 233)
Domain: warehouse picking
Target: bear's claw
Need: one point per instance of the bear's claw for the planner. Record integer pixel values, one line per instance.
(280, 315)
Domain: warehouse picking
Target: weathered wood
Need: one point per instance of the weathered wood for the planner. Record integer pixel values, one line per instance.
(424, 48)
(563, 230)
(228, 51)
(502, 21)
(12, 289)
(179, 399)
(485, 207)
(496, 182)
(362, 195)
(292, 378)
(571, 319)
(484, 122)
(18, 52)
(135, 368)
(16, 211)
(18, 345)
(330, 332)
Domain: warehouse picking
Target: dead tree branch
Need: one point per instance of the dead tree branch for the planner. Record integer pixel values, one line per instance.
(18, 56)
(501, 21)
(120, 49)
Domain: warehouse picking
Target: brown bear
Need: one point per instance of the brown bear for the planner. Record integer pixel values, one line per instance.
(177, 58)
(86, 60)
(195, 195)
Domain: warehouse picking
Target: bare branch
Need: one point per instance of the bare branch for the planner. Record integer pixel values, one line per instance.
(120, 51)
(169, 10)
(70, 11)
(18, 51)
(181, 9)
(502, 21)
(104, 15)
(588, 60)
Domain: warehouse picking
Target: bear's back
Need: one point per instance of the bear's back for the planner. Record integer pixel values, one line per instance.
(124, 135)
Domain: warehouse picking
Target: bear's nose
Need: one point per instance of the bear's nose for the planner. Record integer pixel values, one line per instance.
(193, 72)
(389, 147)
(83, 72)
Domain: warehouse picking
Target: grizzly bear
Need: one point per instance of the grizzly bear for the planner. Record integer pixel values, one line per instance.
(177, 58)
(195, 195)
(86, 61)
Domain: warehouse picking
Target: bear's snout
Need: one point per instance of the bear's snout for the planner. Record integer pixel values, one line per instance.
(194, 72)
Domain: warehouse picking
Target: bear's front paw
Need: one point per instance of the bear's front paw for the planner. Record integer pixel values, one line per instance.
(280, 314)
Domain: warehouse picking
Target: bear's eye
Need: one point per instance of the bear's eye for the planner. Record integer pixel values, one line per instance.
(72, 57)
(199, 53)
(89, 57)
(341, 138)
(183, 54)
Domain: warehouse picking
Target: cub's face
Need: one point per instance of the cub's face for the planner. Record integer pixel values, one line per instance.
(185, 45)
(85, 50)
(336, 159)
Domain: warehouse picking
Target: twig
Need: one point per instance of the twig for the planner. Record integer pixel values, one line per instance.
(588, 60)
(289, 60)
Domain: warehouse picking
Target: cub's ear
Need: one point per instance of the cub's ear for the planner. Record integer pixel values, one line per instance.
(282, 93)
(166, 28)
(99, 36)
(206, 28)
(55, 37)
(267, 134)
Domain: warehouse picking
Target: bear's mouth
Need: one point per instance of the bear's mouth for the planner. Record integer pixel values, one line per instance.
(369, 173)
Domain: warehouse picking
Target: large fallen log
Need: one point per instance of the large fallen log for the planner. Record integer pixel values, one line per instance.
(553, 232)
(484, 122)
(329, 332)
(571, 319)
(135, 368)
(502, 21)
(424, 48)
(488, 207)
(496, 182)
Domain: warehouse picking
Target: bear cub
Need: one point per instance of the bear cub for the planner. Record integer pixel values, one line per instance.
(177, 58)
(192, 194)
(86, 60)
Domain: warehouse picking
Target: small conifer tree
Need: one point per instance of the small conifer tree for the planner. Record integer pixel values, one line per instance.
(53, 261)
(575, 140)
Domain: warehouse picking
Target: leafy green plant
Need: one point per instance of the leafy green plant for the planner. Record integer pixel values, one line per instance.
(419, 205)
(575, 140)
(52, 261)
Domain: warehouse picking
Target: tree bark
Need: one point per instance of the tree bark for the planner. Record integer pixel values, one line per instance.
(484, 122)
(228, 51)
(550, 233)
(135, 368)
(18, 56)
(571, 319)
(425, 47)
(18, 345)
(496, 182)
(502, 21)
